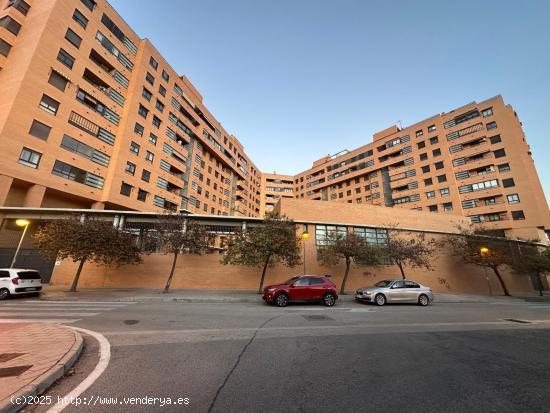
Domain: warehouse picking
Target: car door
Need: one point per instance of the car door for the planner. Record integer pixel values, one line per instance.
(397, 292)
(412, 290)
(299, 290)
(4, 279)
(316, 288)
(29, 279)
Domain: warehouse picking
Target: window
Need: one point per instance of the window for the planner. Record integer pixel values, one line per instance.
(495, 139)
(156, 122)
(508, 182)
(165, 75)
(428, 181)
(130, 168)
(430, 194)
(138, 129)
(10, 24)
(447, 206)
(432, 208)
(134, 148)
(84, 150)
(159, 105)
(500, 153)
(431, 128)
(72, 173)
(145, 175)
(504, 167)
(5, 48)
(423, 156)
(444, 191)
(65, 58)
(436, 152)
(434, 140)
(153, 138)
(493, 183)
(40, 130)
(426, 169)
(58, 81)
(90, 4)
(150, 78)
(125, 189)
(487, 112)
(73, 38)
(438, 165)
(149, 156)
(143, 111)
(142, 195)
(30, 158)
(419, 132)
(80, 18)
(518, 215)
(146, 94)
(162, 90)
(19, 5)
(421, 144)
(491, 125)
(154, 64)
(49, 105)
(442, 178)
(322, 232)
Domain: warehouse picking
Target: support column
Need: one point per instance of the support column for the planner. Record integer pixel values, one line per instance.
(34, 196)
(5, 185)
(98, 205)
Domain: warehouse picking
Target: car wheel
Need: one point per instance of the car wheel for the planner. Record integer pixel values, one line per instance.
(281, 300)
(380, 299)
(4, 293)
(423, 300)
(329, 299)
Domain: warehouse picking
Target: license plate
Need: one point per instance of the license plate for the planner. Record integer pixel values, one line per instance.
(32, 289)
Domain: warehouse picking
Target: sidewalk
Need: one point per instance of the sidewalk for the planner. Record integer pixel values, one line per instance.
(235, 296)
(32, 357)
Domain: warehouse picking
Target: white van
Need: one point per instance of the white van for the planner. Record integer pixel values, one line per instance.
(14, 281)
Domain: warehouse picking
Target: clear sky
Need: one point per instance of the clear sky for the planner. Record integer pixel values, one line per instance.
(295, 80)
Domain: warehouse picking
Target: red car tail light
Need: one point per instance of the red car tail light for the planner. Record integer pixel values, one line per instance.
(15, 280)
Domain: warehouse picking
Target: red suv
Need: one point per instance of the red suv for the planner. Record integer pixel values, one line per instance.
(302, 288)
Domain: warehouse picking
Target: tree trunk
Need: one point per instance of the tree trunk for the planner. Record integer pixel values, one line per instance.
(400, 265)
(343, 286)
(169, 281)
(497, 273)
(264, 270)
(77, 276)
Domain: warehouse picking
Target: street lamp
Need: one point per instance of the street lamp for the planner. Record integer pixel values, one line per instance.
(305, 236)
(484, 251)
(25, 224)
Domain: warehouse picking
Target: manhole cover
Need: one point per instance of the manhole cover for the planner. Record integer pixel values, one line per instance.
(515, 320)
(14, 371)
(9, 356)
(316, 317)
(131, 322)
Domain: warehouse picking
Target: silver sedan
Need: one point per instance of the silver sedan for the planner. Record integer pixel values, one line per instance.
(395, 291)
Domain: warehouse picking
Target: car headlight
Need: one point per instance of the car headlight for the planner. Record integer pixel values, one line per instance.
(367, 292)
(270, 290)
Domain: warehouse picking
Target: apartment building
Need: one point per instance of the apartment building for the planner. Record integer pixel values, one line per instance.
(92, 116)
(274, 187)
(473, 161)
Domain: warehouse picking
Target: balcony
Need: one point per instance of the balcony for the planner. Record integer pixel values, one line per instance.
(103, 87)
(108, 68)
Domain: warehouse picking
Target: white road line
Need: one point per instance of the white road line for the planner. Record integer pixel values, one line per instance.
(62, 314)
(104, 357)
(39, 320)
(68, 303)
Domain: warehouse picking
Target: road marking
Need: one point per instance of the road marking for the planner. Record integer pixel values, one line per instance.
(104, 357)
(57, 308)
(39, 320)
(63, 313)
(79, 303)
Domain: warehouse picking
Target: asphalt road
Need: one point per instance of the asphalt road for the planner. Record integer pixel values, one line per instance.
(245, 357)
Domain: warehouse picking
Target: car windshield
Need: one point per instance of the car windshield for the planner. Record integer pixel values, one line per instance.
(383, 284)
(291, 280)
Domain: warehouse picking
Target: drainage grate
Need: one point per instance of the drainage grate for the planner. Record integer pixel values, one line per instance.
(9, 356)
(131, 322)
(14, 371)
(316, 317)
(515, 320)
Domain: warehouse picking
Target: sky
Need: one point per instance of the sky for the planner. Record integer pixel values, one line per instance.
(296, 80)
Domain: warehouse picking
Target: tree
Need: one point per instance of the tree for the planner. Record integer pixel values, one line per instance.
(473, 247)
(178, 233)
(264, 245)
(533, 260)
(88, 240)
(405, 248)
(349, 247)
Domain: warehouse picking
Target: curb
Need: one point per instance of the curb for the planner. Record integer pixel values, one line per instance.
(42, 383)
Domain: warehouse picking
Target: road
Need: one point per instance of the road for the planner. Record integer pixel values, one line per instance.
(246, 357)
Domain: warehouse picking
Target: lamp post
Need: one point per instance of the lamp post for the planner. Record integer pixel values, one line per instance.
(305, 236)
(484, 251)
(25, 224)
